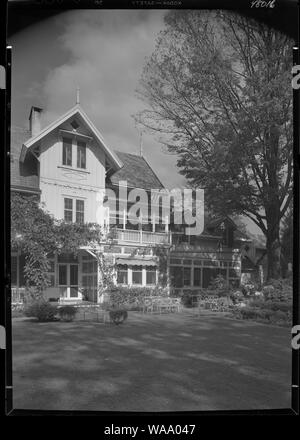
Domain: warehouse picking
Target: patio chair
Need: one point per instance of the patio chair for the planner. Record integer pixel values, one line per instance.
(148, 305)
(163, 305)
(175, 304)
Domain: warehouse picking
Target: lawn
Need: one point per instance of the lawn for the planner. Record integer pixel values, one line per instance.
(177, 362)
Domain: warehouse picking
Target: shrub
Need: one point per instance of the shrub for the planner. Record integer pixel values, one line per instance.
(279, 290)
(249, 289)
(187, 300)
(118, 316)
(248, 313)
(41, 309)
(219, 286)
(236, 296)
(67, 313)
(131, 297)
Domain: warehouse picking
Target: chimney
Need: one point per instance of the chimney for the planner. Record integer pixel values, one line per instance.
(35, 120)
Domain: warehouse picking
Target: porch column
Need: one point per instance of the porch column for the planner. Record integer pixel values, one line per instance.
(124, 219)
(166, 224)
(99, 282)
(153, 222)
(144, 268)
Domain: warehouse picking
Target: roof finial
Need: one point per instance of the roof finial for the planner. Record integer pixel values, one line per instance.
(77, 95)
(141, 143)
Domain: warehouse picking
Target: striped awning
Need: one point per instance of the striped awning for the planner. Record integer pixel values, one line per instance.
(136, 262)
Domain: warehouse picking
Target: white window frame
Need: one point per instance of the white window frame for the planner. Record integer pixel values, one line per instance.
(74, 199)
(74, 150)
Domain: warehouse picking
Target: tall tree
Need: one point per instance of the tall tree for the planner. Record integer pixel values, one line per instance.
(287, 241)
(218, 93)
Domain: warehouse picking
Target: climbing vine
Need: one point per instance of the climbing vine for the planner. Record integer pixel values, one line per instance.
(37, 234)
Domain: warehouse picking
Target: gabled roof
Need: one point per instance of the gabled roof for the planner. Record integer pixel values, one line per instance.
(137, 172)
(75, 111)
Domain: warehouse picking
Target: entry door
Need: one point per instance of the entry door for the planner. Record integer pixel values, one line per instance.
(68, 280)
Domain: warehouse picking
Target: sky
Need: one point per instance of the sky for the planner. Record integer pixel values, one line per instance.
(102, 53)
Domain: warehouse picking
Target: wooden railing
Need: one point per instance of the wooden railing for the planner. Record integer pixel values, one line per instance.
(143, 237)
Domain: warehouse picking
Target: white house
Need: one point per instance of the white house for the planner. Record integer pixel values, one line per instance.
(69, 165)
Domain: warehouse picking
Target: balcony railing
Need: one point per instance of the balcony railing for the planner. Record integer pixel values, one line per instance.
(143, 237)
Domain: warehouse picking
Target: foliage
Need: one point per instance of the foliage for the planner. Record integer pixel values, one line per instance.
(37, 234)
(67, 313)
(249, 289)
(279, 290)
(220, 286)
(264, 315)
(275, 307)
(132, 297)
(283, 306)
(287, 241)
(32, 232)
(162, 255)
(40, 309)
(218, 93)
(188, 299)
(118, 316)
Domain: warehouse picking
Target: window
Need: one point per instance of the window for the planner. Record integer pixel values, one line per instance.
(67, 152)
(197, 276)
(151, 275)
(68, 210)
(136, 274)
(62, 274)
(175, 261)
(122, 274)
(186, 276)
(79, 211)
(228, 237)
(176, 276)
(81, 155)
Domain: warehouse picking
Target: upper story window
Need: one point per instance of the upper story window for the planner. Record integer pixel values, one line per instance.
(69, 149)
(67, 152)
(74, 210)
(79, 211)
(81, 154)
(68, 211)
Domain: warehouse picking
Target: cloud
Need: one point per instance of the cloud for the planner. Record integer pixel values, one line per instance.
(102, 52)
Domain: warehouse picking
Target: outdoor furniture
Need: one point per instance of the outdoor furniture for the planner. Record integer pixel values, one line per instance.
(148, 305)
(161, 305)
(99, 314)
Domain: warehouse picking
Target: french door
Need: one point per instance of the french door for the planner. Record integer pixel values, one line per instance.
(68, 280)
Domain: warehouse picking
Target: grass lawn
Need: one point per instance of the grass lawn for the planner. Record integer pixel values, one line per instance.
(177, 362)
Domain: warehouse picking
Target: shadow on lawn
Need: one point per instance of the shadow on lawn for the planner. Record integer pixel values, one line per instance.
(151, 363)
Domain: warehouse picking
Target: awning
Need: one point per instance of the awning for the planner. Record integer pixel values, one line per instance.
(136, 262)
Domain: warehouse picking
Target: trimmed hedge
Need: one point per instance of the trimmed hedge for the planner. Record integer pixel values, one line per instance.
(131, 298)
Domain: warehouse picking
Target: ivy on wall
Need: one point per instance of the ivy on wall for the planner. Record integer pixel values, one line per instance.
(37, 234)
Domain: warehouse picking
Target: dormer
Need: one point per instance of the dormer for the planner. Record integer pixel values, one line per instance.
(74, 128)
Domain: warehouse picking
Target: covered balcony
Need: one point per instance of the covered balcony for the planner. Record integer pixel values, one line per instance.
(142, 237)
